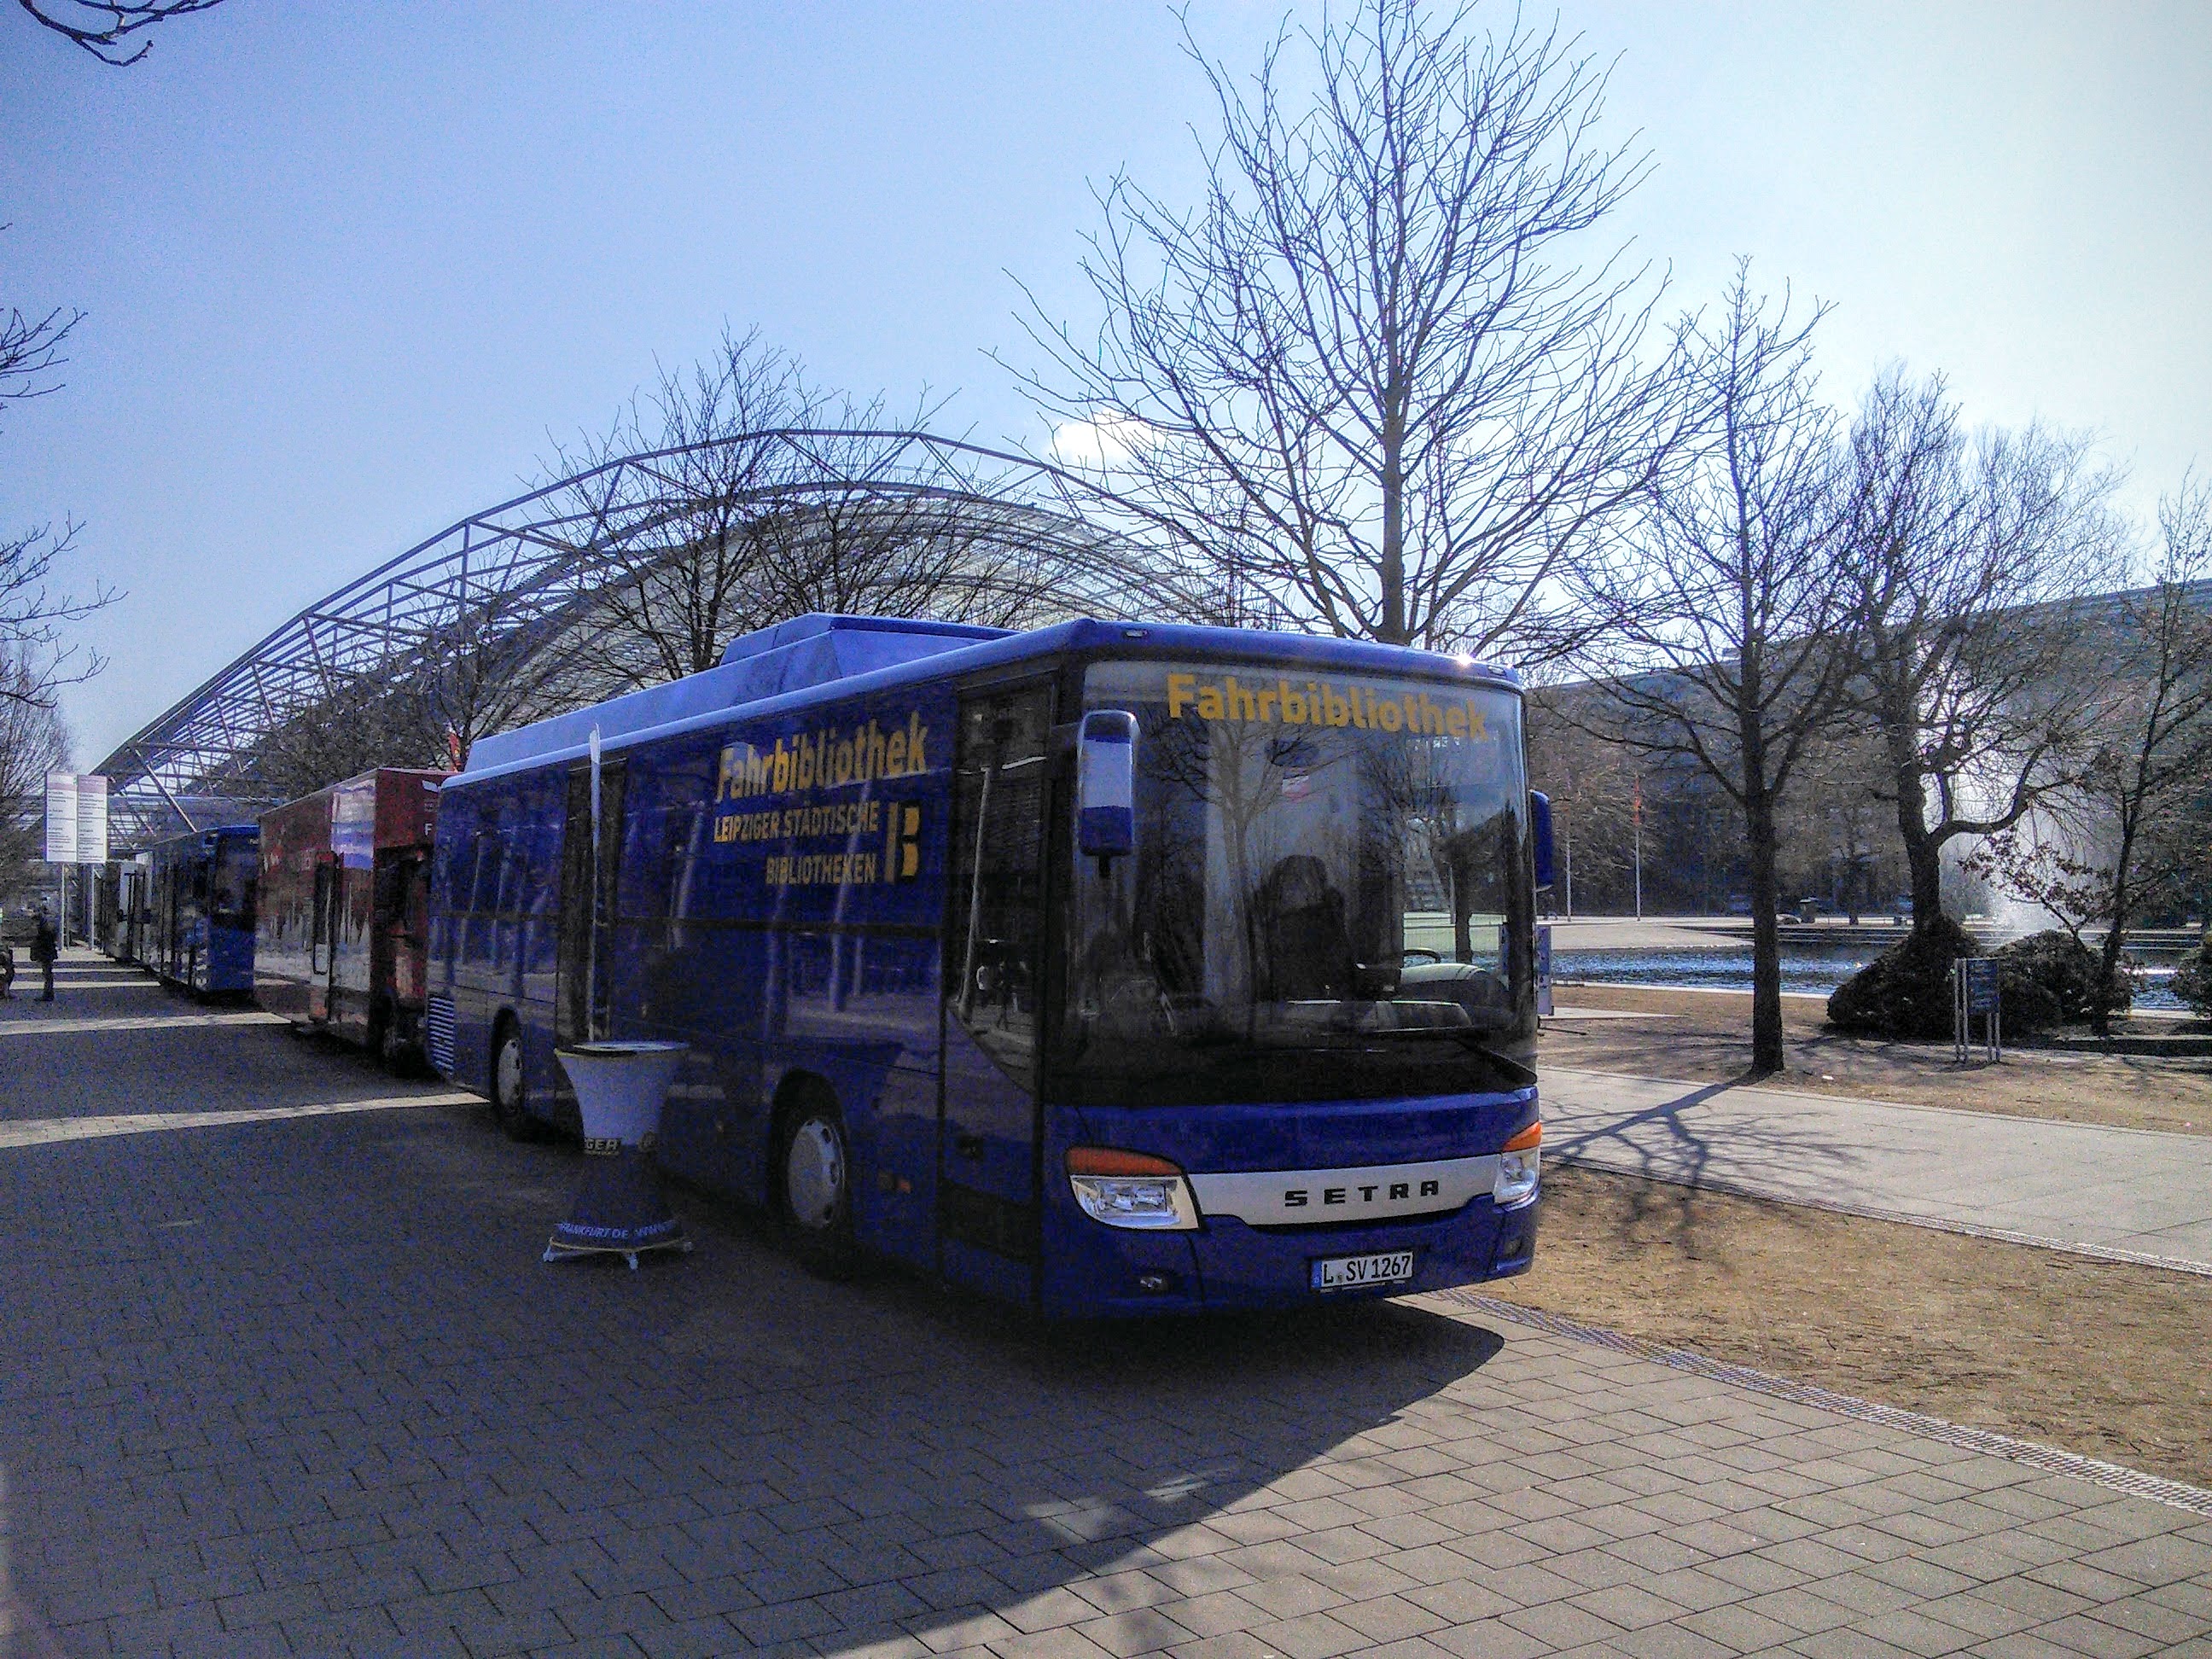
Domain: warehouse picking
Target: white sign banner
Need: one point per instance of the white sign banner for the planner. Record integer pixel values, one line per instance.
(61, 817)
(91, 819)
(76, 818)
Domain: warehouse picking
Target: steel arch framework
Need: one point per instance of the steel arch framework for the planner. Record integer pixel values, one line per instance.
(531, 572)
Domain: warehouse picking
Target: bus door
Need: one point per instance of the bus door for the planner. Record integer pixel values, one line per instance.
(988, 1130)
(585, 969)
(322, 953)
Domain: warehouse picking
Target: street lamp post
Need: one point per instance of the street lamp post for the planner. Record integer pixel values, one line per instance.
(1636, 811)
(1567, 865)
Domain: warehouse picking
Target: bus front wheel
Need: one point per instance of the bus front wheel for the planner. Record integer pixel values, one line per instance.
(509, 1104)
(817, 1196)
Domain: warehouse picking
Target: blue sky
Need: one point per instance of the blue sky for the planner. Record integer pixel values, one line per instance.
(349, 268)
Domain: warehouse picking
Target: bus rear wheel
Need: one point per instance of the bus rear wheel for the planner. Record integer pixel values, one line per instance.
(815, 1193)
(509, 1105)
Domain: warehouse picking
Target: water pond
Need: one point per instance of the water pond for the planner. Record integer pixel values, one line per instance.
(1812, 970)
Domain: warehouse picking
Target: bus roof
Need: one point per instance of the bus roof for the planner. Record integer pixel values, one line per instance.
(810, 658)
(193, 835)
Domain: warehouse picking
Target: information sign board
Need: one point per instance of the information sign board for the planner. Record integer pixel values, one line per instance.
(76, 818)
(1974, 991)
(1981, 985)
(91, 819)
(61, 817)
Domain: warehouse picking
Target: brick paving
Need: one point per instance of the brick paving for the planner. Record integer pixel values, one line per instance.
(301, 1385)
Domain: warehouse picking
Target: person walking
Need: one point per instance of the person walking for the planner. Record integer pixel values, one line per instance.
(45, 946)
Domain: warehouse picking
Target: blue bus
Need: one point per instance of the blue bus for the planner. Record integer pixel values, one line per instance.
(1103, 968)
(197, 928)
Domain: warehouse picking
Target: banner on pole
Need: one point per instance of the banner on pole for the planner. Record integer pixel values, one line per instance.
(76, 818)
(61, 817)
(91, 819)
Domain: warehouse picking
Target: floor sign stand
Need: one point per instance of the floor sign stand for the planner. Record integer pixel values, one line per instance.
(619, 1209)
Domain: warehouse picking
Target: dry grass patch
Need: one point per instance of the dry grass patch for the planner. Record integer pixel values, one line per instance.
(2099, 1358)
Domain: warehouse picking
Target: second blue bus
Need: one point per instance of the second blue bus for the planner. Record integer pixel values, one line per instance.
(198, 890)
(1103, 968)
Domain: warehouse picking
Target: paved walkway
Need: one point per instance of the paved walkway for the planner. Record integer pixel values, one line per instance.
(291, 1383)
(2074, 1185)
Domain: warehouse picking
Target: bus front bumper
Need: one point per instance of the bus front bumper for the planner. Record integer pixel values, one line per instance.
(1097, 1272)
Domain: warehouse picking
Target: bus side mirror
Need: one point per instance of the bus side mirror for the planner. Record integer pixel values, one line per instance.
(1106, 784)
(1540, 818)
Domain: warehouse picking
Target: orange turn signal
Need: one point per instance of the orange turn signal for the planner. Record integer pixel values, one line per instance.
(1106, 1161)
(1527, 1140)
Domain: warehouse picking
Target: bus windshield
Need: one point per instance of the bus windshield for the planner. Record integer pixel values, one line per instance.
(1324, 866)
(236, 868)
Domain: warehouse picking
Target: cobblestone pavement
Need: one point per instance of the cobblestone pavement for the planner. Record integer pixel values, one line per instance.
(300, 1385)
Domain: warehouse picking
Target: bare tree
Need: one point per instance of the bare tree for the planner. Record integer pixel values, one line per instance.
(1963, 555)
(740, 495)
(34, 616)
(1727, 602)
(30, 351)
(104, 27)
(1365, 388)
(1591, 777)
(1834, 838)
(360, 723)
(850, 542)
(2132, 825)
(493, 657)
(680, 530)
(33, 743)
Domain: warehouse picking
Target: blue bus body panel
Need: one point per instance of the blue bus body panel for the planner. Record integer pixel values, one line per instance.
(227, 965)
(839, 981)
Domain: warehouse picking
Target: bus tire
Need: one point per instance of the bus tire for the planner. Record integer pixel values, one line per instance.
(814, 1186)
(509, 1105)
(387, 1038)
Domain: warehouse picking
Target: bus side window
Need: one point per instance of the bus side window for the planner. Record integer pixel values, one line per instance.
(998, 871)
(542, 816)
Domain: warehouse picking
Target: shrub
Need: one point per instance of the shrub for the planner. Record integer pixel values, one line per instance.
(2044, 980)
(2050, 979)
(2192, 980)
(1904, 992)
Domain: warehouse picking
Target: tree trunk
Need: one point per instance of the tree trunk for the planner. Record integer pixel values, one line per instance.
(1923, 853)
(2115, 934)
(1767, 1054)
(1393, 482)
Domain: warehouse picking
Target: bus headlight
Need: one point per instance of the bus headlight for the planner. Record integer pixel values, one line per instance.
(1519, 1168)
(1131, 1189)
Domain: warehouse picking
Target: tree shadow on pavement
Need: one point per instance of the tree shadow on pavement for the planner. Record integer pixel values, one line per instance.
(1670, 1140)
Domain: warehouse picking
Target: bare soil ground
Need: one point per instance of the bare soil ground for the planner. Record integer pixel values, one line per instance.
(1707, 1039)
(2100, 1359)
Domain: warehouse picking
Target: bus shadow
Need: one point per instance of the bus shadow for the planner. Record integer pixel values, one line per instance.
(906, 1462)
(717, 1438)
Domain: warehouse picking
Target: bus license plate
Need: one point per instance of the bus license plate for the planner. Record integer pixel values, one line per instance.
(1344, 1273)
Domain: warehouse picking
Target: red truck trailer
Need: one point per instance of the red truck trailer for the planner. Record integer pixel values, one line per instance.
(345, 909)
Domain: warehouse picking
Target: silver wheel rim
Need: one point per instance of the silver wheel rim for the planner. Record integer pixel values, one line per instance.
(508, 1083)
(814, 1174)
